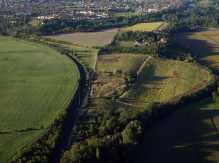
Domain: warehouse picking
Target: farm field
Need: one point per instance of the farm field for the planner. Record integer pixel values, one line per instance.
(204, 42)
(99, 38)
(36, 83)
(127, 14)
(85, 54)
(129, 63)
(163, 80)
(144, 27)
(123, 43)
(187, 135)
(163, 26)
(34, 22)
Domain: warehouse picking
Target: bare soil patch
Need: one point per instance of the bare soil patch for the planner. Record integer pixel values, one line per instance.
(108, 87)
(108, 59)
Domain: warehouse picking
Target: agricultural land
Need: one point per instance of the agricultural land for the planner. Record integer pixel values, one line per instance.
(127, 14)
(123, 43)
(36, 83)
(99, 38)
(205, 43)
(188, 135)
(144, 26)
(163, 80)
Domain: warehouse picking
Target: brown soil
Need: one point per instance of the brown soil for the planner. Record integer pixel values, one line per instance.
(108, 87)
(108, 59)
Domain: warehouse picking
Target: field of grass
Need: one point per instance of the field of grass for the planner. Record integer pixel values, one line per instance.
(123, 43)
(34, 22)
(163, 26)
(36, 83)
(127, 14)
(85, 54)
(99, 38)
(144, 26)
(164, 80)
(187, 135)
(129, 63)
(205, 43)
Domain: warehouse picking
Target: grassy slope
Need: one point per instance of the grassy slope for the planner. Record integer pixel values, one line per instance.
(144, 26)
(127, 14)
(99, 38)
(172, 139)
(160, 80)
(36, 82)
(205, 43)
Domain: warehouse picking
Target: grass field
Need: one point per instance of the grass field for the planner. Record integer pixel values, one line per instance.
(144, 27)
(123, 43)
(127, 14)
(164, 80)
(85, 54)
(187, 135)
(99, 38)
(34, 22)
(204, 42)
(36, 83)
(129, 63)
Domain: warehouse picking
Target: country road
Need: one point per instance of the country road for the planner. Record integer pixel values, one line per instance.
(64, 142)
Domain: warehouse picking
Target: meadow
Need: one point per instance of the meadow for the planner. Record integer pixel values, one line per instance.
(161, 80)
(99, 38)
(129, 63)
(188, 135)
(123, 43)
(85, 54)
(144, 27)
(36, 83)
(127, 14)
(205, 43)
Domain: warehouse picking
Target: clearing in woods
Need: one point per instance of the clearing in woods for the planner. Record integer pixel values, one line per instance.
(204, 42)
(99, 38)
(36, 83)
(188, 135)
(144, 26)
(161, 80)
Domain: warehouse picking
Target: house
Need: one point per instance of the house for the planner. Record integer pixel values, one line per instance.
(162, 40)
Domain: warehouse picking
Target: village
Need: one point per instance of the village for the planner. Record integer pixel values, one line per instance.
(77, 10)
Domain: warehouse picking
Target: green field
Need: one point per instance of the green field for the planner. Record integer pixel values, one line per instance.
(164, 80)
(99, 38)
(187, 135)
(127, 14)
(123, 43)
(85, 54)
(129, 63)
(144, 27)
(36, 83)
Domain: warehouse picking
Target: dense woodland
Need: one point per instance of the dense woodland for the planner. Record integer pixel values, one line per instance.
(114, 135)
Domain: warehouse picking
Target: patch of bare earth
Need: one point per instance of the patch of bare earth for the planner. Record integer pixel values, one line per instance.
(108, 59)
(198, 86)
(108, 87)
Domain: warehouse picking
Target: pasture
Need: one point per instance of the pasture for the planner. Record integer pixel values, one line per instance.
(85, 54)
(144, 27)
(164, 80)
(36, 83)
(123, 43)
(127, 14)
(187, 135)
(129, 63)
(205, 43)
(99, 38)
